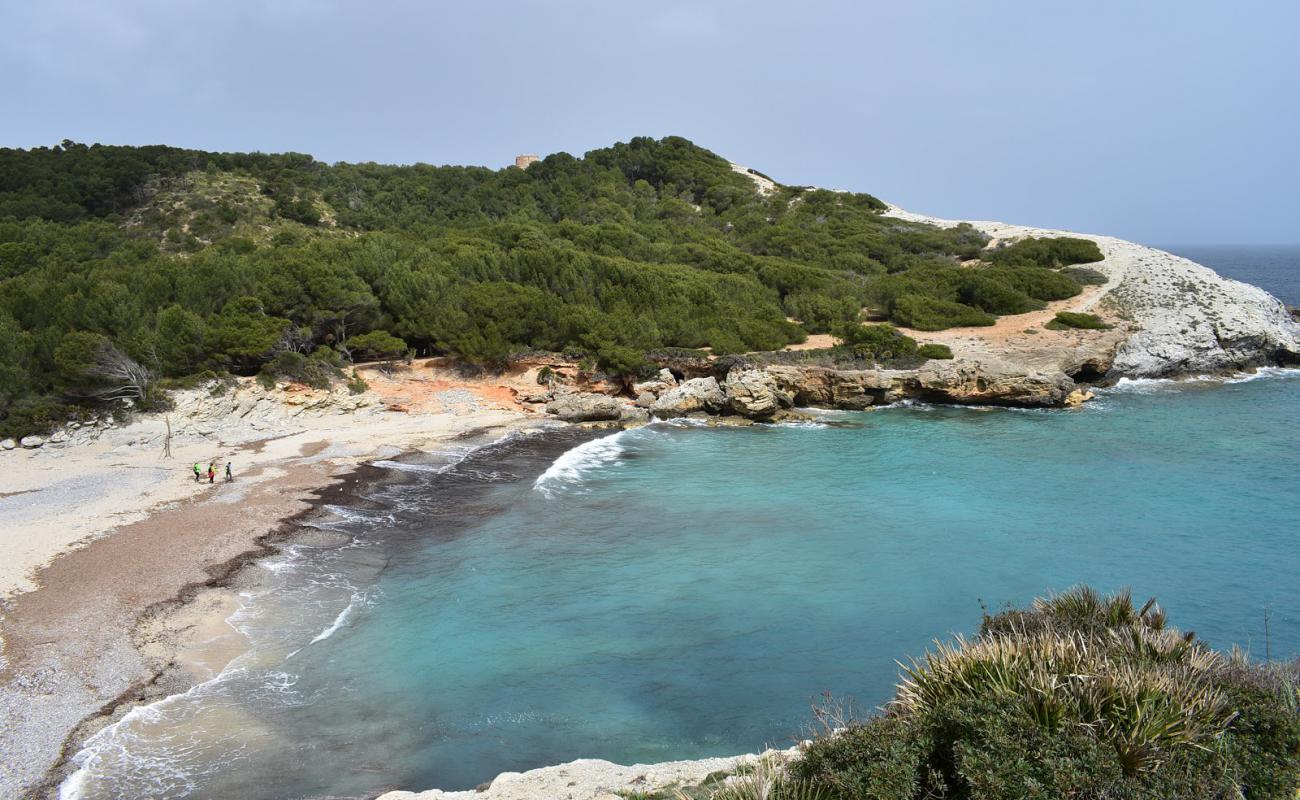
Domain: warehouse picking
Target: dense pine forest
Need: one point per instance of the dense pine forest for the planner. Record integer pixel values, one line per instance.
(124, 268)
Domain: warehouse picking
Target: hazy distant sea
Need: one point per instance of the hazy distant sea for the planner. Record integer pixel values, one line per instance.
(1273, 267)
(679, 591)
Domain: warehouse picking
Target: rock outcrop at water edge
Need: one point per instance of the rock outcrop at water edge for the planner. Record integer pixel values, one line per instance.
(575, 407)
(1175, 317)
(593, 779)
(694, 395)
(754, 394)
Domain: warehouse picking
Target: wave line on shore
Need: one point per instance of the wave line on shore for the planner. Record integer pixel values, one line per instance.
(571, 468)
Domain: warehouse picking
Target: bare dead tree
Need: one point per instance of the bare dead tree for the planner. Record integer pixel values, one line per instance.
(167, 440)
(294, 340)
(121, 377)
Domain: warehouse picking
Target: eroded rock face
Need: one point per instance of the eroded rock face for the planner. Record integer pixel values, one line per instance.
(832, 388)
(754, 394)
(694, 395)
(585, 407)
(1193, 320)
(661, 383)
(992, 383)
(1180, 318)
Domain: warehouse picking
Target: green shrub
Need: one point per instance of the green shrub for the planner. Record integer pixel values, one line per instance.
(1085, 276)
(935, 351)
(377, 344)
(928, 314)
(1078, 696)
(1066, 320)
(318, 370)
(33, 415)
(1052, 253)
(881, 342)
(985, 292)
(356, 383)
(819, 312)
(1036, 282)
(884, 758)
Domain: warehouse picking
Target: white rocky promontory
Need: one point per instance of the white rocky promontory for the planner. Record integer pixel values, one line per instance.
(1186, 318)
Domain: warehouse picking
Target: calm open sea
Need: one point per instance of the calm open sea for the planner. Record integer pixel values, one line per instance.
(679, 592)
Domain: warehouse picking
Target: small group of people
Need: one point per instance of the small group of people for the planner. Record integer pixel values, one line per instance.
(212, 472)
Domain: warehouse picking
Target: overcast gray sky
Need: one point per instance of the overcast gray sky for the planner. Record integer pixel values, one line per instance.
(1166, 122)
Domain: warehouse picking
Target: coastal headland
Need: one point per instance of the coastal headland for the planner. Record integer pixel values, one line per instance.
(119, 569)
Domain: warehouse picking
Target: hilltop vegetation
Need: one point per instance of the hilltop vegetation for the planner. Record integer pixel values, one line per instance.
(179, 262)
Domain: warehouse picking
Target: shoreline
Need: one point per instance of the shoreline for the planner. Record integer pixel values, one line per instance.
(189, 639)
(132, 607)
(181, 640)
(191, 636)
(116, 555)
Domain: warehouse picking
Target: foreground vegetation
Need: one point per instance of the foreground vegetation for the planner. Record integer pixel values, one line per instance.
(1081, 696)
(123, 265)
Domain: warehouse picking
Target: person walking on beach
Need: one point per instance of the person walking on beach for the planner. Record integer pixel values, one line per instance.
(229, 477)
(196, 472)
(212, 471)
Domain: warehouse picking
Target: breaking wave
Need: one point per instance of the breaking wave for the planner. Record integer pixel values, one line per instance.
(573, 466)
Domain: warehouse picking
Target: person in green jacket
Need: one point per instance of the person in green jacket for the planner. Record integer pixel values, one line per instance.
(197, 472)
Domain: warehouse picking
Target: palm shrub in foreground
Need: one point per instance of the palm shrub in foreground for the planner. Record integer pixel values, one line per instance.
(1080, 696)
(766, 779)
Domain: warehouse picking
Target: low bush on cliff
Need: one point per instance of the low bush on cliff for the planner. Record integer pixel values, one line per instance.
(876, 342)
(1051, 253)
(929, 314)
(1066, 320)
(1087, 276)
(1079, 696)
(940, 352)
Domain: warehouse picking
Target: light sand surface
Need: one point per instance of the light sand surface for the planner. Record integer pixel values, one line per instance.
(113, 560)
(54, 498)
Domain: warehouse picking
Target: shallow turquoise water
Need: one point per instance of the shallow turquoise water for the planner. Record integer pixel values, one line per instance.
(678, 592)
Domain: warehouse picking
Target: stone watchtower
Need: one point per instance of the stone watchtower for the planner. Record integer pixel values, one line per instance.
(523, 162)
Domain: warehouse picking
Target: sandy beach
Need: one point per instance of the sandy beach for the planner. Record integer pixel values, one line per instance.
(118, 570)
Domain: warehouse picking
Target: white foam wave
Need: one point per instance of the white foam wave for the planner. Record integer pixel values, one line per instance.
(682, 422)
(114, 750)
(1140, 386)
(572, 467)
(1154, 385)
(404, 467)
(358, 598)
(129, 751)
(1264, 373)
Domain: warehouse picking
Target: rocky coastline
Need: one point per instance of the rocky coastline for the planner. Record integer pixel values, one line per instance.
(1169, 318)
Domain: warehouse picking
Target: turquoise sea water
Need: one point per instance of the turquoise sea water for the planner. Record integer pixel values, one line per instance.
(681, 591)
